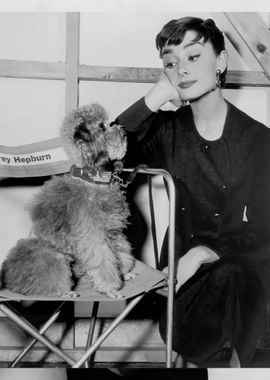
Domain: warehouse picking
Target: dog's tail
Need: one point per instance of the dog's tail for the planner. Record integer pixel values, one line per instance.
(35, 267)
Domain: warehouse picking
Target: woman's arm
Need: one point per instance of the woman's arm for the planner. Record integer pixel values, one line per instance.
(161, 93)
(139, 116)
(189, 263)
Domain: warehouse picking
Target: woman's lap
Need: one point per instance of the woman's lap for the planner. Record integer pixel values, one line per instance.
(223, 302)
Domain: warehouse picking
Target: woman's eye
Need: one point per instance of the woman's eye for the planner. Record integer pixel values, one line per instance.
(194, 57)
(170, 65)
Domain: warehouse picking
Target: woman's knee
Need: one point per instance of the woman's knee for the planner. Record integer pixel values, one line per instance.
(238, 275)
(232, 268)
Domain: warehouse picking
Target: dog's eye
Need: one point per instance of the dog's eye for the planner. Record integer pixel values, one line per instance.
(102, 126)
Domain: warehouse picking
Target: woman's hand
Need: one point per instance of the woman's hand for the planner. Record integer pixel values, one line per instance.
(189, 263)
(161, 93)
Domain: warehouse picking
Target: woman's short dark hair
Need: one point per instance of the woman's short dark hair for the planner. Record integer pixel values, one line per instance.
(174, 31)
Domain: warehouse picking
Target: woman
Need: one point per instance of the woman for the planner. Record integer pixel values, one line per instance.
(220, 160)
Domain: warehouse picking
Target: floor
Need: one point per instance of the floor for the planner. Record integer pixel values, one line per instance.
(261, 360)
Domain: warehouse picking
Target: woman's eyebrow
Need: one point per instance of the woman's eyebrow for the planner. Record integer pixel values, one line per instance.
(168, 50)
(193, 43)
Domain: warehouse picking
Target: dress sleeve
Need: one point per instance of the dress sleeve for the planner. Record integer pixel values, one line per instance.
(142, 127)
(253, 237)
(137, 118)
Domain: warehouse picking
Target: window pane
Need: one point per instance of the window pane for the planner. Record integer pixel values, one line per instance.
(33, 36)
(31, 110)
(114, 97)
(128, 39)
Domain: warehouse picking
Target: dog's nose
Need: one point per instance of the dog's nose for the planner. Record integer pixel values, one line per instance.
(82, 133)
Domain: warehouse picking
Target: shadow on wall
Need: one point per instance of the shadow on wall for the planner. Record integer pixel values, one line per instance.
(15, 222)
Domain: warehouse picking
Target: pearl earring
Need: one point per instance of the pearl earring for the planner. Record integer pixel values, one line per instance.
(218, 79)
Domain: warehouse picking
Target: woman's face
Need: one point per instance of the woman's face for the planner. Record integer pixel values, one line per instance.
(191, 66)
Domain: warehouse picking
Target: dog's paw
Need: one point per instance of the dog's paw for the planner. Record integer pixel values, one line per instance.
(114, 294)
(71, 294)
(130, 276)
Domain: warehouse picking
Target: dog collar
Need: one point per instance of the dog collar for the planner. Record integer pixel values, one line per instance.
(85, 174)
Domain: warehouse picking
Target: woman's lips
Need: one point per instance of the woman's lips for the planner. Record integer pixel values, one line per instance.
(186, 84)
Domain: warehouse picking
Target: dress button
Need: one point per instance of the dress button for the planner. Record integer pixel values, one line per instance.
(204, 147)
(183, 208)
(217, 214)
(223, 187)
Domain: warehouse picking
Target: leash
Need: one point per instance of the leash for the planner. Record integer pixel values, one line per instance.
(104, 178)
(130, 178)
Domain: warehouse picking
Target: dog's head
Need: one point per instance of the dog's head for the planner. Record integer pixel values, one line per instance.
(89, 139)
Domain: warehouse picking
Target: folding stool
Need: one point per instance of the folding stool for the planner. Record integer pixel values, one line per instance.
(148, 280)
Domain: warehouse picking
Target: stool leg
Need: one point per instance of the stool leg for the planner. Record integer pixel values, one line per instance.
(42, 330)
(106, 333)
(25, 325)
(91, 331)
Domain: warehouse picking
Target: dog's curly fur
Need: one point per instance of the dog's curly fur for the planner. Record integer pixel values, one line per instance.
(78, 225)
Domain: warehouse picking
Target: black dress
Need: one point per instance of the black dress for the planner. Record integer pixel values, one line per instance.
(223, 202)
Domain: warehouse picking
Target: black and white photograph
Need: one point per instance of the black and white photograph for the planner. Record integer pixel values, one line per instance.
(134, 190)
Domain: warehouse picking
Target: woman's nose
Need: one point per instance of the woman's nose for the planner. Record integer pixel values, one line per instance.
(182, 70)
